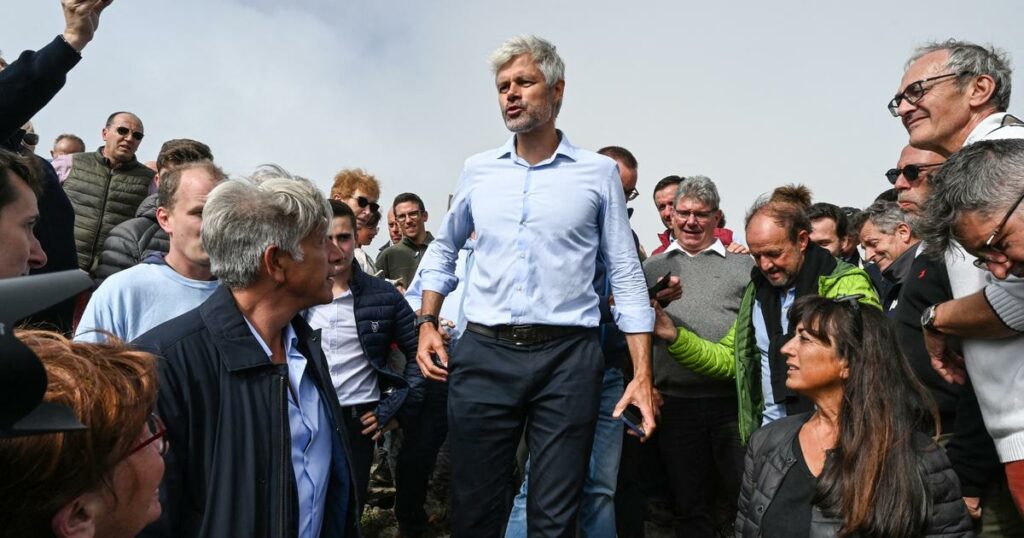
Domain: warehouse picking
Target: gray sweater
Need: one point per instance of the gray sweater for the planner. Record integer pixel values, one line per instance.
(712, 289)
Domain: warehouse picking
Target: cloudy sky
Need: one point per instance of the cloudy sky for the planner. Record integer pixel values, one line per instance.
(752, 96)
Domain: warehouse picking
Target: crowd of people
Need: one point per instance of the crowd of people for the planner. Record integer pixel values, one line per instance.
(241, 364)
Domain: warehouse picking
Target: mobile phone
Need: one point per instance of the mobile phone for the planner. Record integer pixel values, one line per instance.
(661, 284)
(633, 420)
(437, 362)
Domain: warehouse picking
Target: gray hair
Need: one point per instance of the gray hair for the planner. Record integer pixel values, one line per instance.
(543, 52)
(972, 60)
(242, 219)
(699, 188)
(984, 178)
(886, 216)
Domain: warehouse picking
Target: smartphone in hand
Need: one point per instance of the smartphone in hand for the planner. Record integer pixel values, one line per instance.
(633, 420)
(437, 362)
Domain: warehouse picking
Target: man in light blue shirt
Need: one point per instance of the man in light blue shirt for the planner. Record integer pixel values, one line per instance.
(542, 210)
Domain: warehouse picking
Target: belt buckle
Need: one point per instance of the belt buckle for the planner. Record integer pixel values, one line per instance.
(523, 333)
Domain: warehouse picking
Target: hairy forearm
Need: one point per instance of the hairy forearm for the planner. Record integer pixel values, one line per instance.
(431, 304)
(640, 353)
(970, 317)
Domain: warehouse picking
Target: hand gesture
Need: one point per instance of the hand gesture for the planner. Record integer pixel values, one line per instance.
(81, 19)
(945, 360)
(431, 343)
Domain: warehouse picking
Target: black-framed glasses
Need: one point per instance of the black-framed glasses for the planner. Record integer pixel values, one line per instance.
(910, 171)
(631, 194)
(124, 131)
(364, 201)
(158, 434)
(989, 244)
(414, 214)
(30, 139)
(915, 91)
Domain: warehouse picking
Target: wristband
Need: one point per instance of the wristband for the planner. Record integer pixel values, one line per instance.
(426, 318)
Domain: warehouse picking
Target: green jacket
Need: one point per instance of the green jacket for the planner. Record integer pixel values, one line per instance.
(736, 354)
(102, 198)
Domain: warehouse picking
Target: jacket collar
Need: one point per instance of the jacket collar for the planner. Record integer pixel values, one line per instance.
(900, 267)
(230, 332)
(407, 241)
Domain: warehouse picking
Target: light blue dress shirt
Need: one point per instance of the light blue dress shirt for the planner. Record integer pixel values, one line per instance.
(772, 410)
(311, 436)
(452, 309)
(539, 229)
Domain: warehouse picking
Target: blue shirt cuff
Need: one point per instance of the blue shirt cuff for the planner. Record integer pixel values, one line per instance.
(634, 319)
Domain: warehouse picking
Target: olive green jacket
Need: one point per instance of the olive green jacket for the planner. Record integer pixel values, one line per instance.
(736, 354)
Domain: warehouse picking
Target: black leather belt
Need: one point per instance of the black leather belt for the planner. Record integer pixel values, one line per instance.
(358, 410)
(524, 335)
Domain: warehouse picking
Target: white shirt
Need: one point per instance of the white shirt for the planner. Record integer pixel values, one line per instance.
(716, 247)
(992, 128)
(354, 379)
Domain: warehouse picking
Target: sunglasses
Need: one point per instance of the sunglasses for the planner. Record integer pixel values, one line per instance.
(364, 201)
(910, 171)
(30, 139)
(123, 131)
(915, 91)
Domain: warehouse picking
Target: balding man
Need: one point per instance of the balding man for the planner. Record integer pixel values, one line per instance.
(105, 186)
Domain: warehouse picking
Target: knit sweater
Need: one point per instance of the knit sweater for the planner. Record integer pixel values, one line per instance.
(713, 286)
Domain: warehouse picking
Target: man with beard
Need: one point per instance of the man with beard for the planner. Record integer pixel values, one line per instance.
(530, 355)
(789, 265)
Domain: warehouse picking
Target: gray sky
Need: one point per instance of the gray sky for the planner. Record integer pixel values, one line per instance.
(752, 97)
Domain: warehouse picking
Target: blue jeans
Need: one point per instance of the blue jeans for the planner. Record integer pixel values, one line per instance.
(597, 508)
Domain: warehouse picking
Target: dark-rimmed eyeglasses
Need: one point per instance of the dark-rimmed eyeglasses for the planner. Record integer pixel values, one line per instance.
(414, 214)
(990, 244)
(158, 434)
(915, 91)
(364, 201)
(124, 131)
(910, 171)
(631, 194)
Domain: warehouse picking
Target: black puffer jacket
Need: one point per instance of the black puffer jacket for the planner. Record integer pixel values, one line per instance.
(132, 240)
(382, 317)
(770, 456)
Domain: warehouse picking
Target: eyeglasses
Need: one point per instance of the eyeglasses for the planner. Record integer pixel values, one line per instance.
(158, 434)
(989, 244)
(364, 201)
(631, 194)
(410, 215)
(701, 216)
(915, 91)
(910, 171)
(123, 131)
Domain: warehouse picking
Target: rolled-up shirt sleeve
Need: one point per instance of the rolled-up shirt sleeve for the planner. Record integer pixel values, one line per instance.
(633, 312)
(437, 269)
(1006, 297)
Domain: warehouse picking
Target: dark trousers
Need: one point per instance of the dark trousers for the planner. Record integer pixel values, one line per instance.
(700, 450)
(361, 447)
(494, 389)
(422, 441)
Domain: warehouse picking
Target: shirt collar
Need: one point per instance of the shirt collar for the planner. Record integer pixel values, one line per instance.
(290, 339)
(565, 149)
(983, 129)
(717, 247)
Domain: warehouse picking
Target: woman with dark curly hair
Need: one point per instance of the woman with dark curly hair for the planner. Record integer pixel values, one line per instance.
(860, 464)
(101, 481)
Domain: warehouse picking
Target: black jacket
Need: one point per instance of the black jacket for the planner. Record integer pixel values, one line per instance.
(382, 317)
(132, 240)
(770, 456)
(229, 468)
(29, 82)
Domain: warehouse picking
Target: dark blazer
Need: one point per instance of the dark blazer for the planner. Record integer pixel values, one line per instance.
(229, 467)
(770, 456)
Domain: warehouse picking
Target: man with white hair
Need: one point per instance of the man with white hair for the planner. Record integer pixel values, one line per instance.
(257, 436)
(530, 355)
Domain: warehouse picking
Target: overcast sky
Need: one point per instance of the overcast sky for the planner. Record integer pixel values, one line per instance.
(752, 97)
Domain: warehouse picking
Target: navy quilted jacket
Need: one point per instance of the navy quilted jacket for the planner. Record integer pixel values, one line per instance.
(382, 317)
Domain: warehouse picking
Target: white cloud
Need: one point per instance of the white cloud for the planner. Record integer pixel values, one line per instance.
(751, 96)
